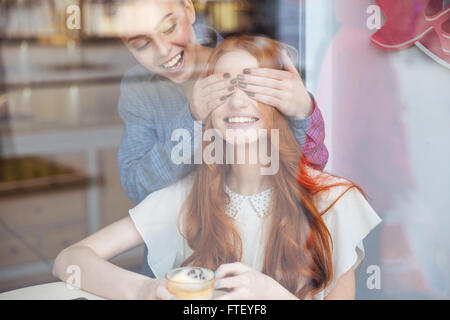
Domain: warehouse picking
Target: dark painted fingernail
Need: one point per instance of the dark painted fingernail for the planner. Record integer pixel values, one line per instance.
(226, 75)
(223, 98)
(242, 85)
(234, 81)
(231, 88)
(250, 94)
(246, 71)
(240, 77)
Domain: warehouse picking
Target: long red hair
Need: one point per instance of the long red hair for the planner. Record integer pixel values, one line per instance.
(298, 248)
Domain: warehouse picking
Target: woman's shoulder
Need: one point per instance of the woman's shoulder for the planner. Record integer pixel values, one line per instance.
(343, 207)
(338, 190)
(349, 219)
(156, 220)
(170, 197)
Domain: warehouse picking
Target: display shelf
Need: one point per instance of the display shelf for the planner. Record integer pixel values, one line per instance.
(21, 175)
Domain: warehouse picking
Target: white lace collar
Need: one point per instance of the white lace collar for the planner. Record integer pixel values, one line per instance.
(260, 202)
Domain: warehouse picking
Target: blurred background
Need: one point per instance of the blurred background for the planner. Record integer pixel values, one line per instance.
(386, 116)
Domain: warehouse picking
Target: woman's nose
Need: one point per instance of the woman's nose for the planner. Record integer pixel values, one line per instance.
(162, 45)
(239, 99)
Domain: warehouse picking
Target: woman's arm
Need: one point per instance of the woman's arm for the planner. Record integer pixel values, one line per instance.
(99, 276)
(344, 288)
(310, 134)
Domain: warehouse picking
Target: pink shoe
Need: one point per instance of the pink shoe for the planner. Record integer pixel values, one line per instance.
(431, 45)
(443, 31)
(408, 21)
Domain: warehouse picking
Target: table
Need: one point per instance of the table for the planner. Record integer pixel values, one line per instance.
(48, 291)
(55, 291)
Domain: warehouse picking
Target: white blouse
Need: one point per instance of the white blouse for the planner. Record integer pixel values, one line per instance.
(349, 221)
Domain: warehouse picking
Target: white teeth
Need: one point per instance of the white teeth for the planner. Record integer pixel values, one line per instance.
(173, 61)
(241, 120)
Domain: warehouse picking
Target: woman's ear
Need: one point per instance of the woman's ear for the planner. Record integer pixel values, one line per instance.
(190, 10)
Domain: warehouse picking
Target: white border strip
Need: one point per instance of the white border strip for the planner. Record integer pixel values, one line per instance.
(431, 55)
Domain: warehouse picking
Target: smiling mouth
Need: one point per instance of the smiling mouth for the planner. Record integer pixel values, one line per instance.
(241, 120)
(174, 64)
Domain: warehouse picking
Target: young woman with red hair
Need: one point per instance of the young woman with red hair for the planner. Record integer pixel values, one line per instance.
(293, 234)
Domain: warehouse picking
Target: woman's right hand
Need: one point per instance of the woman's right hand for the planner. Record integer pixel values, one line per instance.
(154, 289)
(210, 93)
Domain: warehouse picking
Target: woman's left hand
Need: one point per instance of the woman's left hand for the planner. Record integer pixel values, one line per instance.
(281, 89)
(248, 284)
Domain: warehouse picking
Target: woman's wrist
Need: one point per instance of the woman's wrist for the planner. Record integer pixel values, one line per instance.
(306, 109)
(143, 290)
